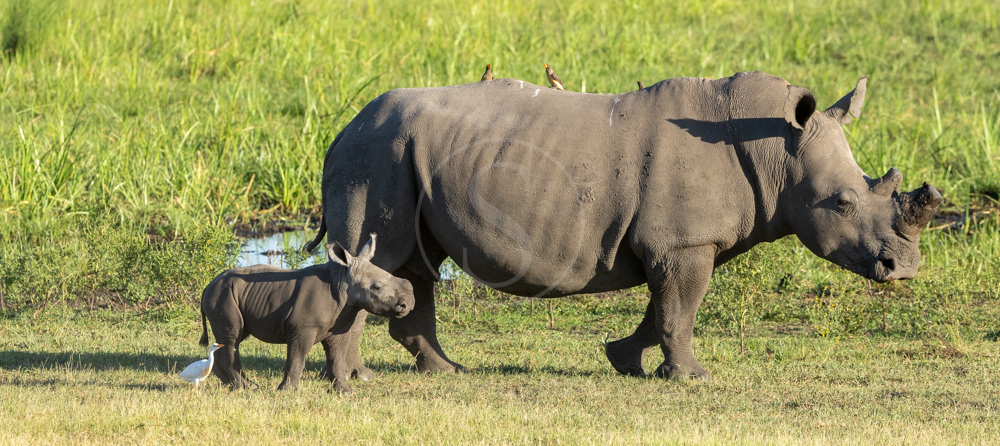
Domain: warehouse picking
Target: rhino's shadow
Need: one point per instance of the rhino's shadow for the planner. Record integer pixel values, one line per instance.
(108, 361)
(172, 364)
(380, 367)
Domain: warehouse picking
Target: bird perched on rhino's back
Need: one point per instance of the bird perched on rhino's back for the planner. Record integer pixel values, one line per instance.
(199, 370)
(488, 75)
(640, 85)
(553, 78)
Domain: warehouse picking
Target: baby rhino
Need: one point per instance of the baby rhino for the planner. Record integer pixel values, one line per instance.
(299, 308)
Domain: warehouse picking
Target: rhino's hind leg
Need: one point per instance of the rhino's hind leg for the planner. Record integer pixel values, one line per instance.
(229, 369)
(626, 354)
(678, 282)
(299, 344)
(417, 331)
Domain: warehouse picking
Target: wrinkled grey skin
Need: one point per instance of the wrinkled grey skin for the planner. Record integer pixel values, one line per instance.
(300, 308)
(538, 192)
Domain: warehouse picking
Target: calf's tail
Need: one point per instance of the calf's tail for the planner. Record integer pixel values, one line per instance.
(319, 236)
(204, 330)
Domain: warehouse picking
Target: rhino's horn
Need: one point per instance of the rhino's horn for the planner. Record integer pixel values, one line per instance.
(917, 207)
(888, 184)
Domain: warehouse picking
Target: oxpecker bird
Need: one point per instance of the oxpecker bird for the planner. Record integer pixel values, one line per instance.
(553, 78)
(199, 370)
(488, 75)
(640, 85)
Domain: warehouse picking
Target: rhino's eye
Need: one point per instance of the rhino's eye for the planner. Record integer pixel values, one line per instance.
(375, 287)
(844, 202)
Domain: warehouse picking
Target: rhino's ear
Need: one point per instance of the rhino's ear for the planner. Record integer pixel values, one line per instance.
(849, 107)
(799, 106)
(338, 254)
(368, 251)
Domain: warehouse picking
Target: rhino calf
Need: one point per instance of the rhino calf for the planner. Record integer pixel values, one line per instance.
(299, 308)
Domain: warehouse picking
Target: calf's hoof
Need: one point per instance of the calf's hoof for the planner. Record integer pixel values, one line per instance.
(243, 384)
(624, 358)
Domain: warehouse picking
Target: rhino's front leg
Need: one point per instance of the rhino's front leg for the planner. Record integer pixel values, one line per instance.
(338, 367)
(678, 282)
(626, 354)
(352, 349)
(299, 344)
(417, 331)
(347, 347)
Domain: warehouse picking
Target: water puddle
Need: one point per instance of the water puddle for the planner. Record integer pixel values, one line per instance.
(274, 250)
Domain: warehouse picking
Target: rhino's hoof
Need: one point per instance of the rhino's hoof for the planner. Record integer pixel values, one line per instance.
(342, 389)
(443, 365)
(678, 371)
(624, 361)
(363, 373)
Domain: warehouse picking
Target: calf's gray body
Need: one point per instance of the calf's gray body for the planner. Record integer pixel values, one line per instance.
(317, 304)
(546, 193)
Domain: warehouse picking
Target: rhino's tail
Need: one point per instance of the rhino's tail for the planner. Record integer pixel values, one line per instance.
(319, 236)
(204, 329)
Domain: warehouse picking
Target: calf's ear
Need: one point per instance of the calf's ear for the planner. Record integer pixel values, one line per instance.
(849, 107)
(799, 106)
(368, 251)
(338, 254)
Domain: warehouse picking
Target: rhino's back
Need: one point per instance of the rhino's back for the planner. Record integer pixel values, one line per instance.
(270, 299)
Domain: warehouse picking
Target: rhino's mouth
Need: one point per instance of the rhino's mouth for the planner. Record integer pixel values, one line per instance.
(401, 310)
(881, 269)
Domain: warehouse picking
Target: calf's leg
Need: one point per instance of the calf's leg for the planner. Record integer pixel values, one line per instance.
(338, 367)
(299, 344)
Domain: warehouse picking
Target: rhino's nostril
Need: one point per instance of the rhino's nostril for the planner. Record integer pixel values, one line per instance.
(888, 264)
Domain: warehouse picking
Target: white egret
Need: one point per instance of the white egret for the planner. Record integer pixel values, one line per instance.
(199, 370)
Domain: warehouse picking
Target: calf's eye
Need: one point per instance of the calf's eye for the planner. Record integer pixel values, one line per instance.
(375, 287)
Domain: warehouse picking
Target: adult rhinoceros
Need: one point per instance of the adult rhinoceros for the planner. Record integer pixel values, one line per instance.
(538, 192)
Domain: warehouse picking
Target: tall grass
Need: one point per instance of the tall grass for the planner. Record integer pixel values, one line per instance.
(181, 115)
(173, 112)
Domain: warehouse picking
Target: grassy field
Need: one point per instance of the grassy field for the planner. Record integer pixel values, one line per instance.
(135, 134)
(72, 376)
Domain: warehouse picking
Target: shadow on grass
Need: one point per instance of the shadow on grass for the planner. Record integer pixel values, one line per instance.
(108, 361)
(254, 364)
(49, 382)
(148, 362)
(513, 369)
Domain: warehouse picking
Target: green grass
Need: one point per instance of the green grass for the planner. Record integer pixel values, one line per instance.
(133, 134)
(174, 114)
(72, 376)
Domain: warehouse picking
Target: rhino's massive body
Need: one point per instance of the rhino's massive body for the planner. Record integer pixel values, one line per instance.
(548, 193)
